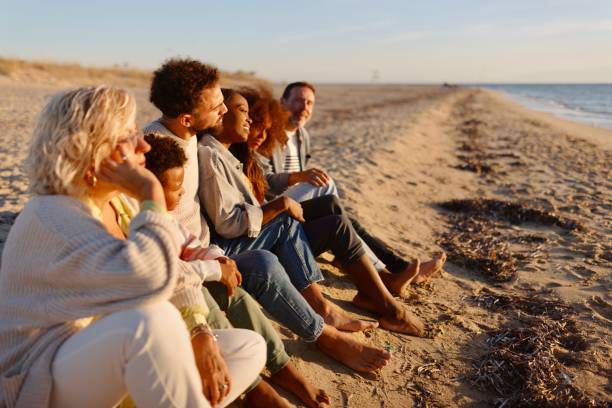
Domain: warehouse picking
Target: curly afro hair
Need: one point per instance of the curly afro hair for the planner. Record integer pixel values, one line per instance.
(177, 85)
(165, 154)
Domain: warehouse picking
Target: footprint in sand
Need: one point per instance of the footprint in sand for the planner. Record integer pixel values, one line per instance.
(582, 272)
(600, 308)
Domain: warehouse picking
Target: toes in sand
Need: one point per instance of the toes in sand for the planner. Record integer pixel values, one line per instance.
(400, 321)
(403, 322)
(351, 352)
(342, 321)
(429, 268)
(289, 378)
(398, 282)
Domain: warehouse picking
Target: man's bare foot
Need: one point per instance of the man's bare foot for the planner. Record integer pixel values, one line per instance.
(339, 319)
(291, 380)
(401, 320)
(429, 268)
(351, 352)
(398, 282)
(264, 396)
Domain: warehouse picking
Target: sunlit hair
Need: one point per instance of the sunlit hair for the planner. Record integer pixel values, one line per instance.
(267, 114)
(245, 155)
(178, 84)
(165, 154)
(75, 131)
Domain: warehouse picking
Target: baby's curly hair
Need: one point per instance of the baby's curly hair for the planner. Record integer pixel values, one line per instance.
(165, 154)
(177, 85)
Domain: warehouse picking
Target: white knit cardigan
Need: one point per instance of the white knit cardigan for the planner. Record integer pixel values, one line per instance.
(59, 264)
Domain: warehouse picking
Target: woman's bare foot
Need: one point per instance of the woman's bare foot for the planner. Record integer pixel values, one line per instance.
(351, 352)
(400, 320)
(398, 282)
(429, 268)
(291, 380)
(332, 314)
(339, 319)
(265, 396)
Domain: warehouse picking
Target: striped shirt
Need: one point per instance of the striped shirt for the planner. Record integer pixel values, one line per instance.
(292, 154)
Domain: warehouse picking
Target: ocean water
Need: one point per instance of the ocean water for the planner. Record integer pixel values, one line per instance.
(586, 103)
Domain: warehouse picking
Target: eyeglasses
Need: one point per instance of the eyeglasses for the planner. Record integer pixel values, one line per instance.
(132, 138)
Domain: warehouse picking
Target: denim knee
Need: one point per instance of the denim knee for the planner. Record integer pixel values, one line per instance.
(287, 220)
(258, 267)
(267, 281)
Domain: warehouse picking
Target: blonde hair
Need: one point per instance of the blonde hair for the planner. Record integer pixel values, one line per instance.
(75, 131)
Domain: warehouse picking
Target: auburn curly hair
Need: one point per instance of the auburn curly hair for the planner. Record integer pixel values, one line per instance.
(165, 154)
(178, 83)
(268, 115)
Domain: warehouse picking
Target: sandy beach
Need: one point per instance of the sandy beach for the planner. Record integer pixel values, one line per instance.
(521, 201)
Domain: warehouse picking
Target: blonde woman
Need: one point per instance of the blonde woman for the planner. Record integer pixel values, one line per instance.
(86, 318)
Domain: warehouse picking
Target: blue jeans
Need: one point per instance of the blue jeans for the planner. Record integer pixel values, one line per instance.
(284, 237)
(266, 280)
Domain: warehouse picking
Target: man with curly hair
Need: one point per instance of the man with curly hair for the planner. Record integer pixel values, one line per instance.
(188, 94)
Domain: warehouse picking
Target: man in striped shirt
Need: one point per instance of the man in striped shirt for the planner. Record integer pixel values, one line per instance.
(299, 99)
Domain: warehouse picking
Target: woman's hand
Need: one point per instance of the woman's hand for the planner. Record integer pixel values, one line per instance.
(131, 177)
(230, 275)
(280, 205)
(216, 381)
(294, 209)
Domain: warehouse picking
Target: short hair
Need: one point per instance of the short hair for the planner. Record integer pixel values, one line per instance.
(177, 85)
(300, 84)
(75, 131)
(165, 154)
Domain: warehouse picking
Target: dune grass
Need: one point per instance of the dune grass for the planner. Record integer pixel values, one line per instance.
(51, 72)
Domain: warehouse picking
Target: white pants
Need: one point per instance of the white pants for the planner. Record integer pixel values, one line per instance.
(306, 191)
(147, 353)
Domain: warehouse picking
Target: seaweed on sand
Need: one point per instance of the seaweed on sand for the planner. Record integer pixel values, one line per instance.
(522, 369)
(475, 161)
(535, 306)
(472, 244)
(515, 213)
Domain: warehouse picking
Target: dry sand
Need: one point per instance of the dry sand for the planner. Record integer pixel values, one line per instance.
(396, 153)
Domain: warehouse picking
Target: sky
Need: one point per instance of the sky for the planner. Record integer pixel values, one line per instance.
(433, 41)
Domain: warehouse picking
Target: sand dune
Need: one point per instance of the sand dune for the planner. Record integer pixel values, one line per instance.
(14, 70)
(398, 153)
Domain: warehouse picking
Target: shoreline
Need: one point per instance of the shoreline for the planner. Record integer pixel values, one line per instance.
(595, 134)
(397, 154)
(554, 107)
